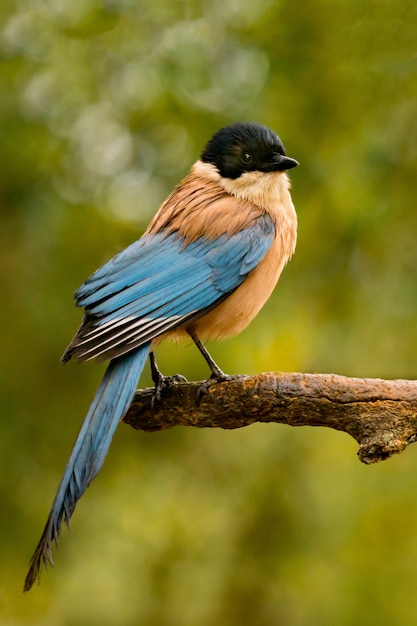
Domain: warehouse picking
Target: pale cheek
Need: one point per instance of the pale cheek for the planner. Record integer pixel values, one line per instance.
(268, 191)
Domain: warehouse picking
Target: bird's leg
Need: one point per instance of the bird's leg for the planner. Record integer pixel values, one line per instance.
(160, 380)
(217, 374)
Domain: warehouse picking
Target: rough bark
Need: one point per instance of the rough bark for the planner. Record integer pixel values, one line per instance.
(381, 415)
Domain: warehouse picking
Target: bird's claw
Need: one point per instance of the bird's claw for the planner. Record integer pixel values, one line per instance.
(162, 383)
(216, 378)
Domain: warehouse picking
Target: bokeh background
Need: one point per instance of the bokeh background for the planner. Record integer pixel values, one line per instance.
(103, 107)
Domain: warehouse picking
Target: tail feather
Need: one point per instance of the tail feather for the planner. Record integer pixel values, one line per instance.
(110, 404)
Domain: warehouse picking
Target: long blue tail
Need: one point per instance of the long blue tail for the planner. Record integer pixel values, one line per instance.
(110, 404)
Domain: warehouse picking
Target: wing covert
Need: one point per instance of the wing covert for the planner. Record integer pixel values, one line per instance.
(159, 283)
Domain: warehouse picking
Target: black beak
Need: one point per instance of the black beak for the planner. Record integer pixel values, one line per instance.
(283, 163)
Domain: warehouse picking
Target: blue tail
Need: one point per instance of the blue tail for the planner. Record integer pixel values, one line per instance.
(110, 404)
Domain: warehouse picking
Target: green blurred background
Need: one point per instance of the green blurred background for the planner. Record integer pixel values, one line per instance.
(103, 108)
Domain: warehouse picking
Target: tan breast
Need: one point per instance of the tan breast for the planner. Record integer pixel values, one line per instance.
(228, 206)
(234, 314)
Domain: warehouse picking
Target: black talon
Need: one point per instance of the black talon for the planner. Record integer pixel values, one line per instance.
(217, 375)
(205, 386)
(161, 381)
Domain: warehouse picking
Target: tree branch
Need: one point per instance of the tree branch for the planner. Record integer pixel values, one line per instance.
(381, 415)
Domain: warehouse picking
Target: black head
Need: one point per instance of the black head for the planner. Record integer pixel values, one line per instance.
(246, 147)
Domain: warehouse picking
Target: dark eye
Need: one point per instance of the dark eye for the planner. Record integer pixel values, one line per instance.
(246, 158)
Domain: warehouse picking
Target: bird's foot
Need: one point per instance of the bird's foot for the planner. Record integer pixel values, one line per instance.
(216, 377)
(161, 381)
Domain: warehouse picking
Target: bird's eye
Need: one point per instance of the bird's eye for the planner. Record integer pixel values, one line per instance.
(246, 158)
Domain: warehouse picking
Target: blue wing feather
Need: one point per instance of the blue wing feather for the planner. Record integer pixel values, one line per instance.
(159, 283)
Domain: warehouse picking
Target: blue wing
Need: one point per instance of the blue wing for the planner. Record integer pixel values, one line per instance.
(159, 283)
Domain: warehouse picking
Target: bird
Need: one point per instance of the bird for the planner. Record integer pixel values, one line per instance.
(207, 263)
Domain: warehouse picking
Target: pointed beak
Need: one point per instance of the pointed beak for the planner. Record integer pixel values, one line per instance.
(283, 163)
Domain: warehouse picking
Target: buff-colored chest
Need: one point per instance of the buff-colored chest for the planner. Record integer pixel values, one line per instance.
(235, 313)
(245, 199)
